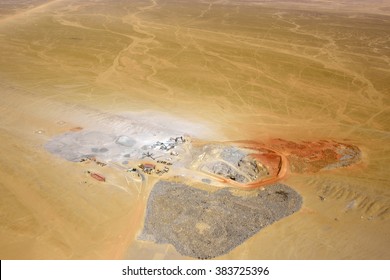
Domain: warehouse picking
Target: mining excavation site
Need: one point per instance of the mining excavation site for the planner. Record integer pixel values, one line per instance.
(194, 129)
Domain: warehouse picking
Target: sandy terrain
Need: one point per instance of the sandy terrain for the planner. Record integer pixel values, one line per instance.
(218, 71)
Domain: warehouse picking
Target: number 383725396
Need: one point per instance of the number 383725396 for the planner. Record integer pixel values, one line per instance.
(241, 270)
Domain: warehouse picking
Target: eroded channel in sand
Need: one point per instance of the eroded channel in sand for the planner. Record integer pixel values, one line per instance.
(297, 71)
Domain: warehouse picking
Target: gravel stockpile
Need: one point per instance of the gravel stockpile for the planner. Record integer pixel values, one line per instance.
(203, 224)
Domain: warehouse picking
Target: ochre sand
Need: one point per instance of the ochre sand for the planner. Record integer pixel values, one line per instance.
(232, 71)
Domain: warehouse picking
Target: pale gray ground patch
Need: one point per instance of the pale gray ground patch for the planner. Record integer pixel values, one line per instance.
(75, 146)
(226, 161)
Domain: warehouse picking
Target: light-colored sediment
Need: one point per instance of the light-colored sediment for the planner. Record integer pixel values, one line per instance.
(247, 70)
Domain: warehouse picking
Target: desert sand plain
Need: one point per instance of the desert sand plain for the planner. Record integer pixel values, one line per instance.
(215, 70)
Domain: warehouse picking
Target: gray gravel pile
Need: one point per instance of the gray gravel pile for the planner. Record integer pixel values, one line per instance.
(230, 162)
(203, 224)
